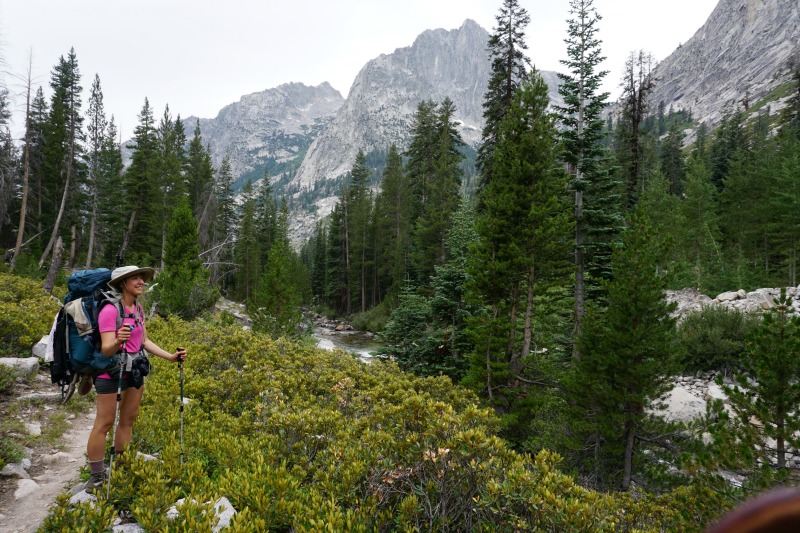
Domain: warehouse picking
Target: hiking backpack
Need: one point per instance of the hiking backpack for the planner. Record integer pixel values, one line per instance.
(75, 337)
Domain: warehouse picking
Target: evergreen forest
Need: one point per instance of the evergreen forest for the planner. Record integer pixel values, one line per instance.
(518, 296)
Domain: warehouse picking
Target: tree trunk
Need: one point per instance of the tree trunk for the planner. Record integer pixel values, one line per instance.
(126, 239)
(26, 166)
(57, 224)
(527, 335)
(580, 284)
(55, 263)
(73, 246)
(630, 437)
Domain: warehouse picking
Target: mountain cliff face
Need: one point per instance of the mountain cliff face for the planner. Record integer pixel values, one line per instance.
(385, 94)
(742, 51)
(269, 129)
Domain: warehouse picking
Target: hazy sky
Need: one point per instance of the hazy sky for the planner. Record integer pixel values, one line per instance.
(200, 55)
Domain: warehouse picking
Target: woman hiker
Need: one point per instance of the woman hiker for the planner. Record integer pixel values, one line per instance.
(131, 338)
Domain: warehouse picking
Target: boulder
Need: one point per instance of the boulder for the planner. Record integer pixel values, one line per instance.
(40, 347)
(727, 296)
(131, 527)
(24, 367)
(16, 470)
(715, 392)
(222, 508)
(25, 487)
(82, 496)
(33, 428)
(682, 405)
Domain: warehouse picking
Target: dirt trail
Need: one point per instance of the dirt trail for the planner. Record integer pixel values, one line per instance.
(54, 469)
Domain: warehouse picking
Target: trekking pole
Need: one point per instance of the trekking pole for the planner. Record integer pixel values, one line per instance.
(180, 367)
(123, 363)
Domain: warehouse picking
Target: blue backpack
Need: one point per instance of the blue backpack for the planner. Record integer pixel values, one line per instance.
(76, 339)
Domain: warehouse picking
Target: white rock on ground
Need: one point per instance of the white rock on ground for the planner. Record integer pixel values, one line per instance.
(682, 405)
(15, 470)
(127, 528)
(24, 367)
(25, 487)
(222, 508)
(40, 347)
(33, 428)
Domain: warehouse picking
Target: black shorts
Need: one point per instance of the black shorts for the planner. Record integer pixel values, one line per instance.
(109, 386)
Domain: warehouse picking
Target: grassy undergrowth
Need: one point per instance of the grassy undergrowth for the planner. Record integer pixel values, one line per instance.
(301, 439)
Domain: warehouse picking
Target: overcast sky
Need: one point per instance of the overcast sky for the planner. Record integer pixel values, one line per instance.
(200, 55)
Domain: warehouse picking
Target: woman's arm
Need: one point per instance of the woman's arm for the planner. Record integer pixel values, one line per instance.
(155, 349)
(112, 341)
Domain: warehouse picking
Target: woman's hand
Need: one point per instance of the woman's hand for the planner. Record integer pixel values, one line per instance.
(124, 333)
(180, 355)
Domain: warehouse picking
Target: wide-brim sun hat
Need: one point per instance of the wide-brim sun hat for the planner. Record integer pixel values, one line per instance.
(120, 274)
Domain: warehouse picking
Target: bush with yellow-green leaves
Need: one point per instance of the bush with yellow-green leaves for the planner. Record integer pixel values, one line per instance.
(300, 439)
(26, 313)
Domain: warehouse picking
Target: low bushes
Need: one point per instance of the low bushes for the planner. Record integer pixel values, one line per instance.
(26, 313)
(300, 439)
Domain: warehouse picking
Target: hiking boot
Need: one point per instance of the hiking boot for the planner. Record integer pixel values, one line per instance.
(95, 482)
(86, 385)
(66, 395)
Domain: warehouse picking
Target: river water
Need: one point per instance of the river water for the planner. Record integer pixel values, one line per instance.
(360, 343)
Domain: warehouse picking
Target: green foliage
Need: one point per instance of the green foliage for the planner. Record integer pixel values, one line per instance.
(763, 426)
(714, 339)
(26, 313)
(7, 379)
(183, 288)
(10, 450)
(628, 358)
(373, 320)
(308, 440)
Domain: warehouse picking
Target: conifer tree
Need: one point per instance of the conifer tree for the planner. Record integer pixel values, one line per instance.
(628, 357)
(427, 334)
(200, 181)
(314, 255)
(63, 152)
(421, 156)
(142, 193)
(35, 154)
(392, 219)
(597, 211)
(96, 128)
(673, 166)
(509, 71)
(7, 163)
(184, 289)
(441, 196)
(631, 144)
(764, 424)
(247, 251)
(338, 266)
(279, 296)
(220, 256)
(523, 229)
(358, 214)
(266, 215)
(171, 141)
(112, 219)
(701, 239)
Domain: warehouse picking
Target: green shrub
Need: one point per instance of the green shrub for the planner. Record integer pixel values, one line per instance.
(372, 320)
(306, 440)
(10, 451)
(26, 314)
(6, 379)
(714, 338)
